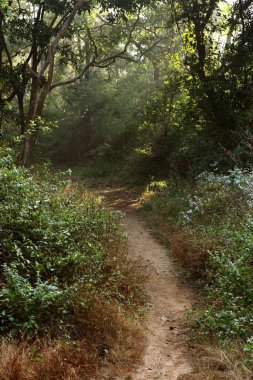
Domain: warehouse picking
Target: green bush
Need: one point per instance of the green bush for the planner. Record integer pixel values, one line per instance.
(56, 240)
(231, 285)
(210, 229)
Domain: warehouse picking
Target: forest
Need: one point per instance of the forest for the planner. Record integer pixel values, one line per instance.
(126, 189)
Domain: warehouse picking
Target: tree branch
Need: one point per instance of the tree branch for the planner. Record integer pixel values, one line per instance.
(93, 43)
(53, 46)
(108, 61)
(74, 79)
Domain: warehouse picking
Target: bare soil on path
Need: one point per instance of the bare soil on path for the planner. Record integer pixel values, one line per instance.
(166, 356)
(169, 354)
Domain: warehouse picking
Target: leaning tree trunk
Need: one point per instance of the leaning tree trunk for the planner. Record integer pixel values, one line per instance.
(29, 127)
(32, 127)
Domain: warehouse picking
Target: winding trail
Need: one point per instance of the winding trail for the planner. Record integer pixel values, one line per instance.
(167, 353)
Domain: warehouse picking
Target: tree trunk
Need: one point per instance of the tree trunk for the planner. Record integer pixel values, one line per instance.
(156, 71)
(36, 106)
(21, 113)
(30, 125)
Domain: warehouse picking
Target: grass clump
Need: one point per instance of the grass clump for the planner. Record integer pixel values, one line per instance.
(208, 225)
(63, 263)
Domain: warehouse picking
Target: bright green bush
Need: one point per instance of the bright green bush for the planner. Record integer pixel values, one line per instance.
(55, 240)
(231, 285)
(211, 221)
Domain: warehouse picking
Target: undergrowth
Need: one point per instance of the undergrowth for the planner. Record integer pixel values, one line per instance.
(131, 168)
(208, 225)
(65, 277)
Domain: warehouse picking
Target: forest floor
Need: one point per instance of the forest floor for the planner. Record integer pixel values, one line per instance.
(169, 352)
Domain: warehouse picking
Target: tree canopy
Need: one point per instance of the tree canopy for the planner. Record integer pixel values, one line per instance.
(198, 53)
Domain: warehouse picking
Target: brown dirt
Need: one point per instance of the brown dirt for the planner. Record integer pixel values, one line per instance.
(166, 356)
(169, 353)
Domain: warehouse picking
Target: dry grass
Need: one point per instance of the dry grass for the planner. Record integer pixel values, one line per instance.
(118, 338)
(108, 336)
(15, 361)
(110, 340)
(215, 363)
(115, 352)
(192, 252)
(46, 360)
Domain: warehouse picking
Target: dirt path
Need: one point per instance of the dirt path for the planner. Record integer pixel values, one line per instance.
(167, 353)
(166, 356)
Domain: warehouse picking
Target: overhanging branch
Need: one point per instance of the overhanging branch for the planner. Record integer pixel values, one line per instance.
(53, 46)
(109, 60)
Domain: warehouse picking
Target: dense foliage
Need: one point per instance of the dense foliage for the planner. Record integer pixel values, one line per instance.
(191, 95)
(57, 243)
(45, 45)
(140, 92)
(208, 225)
(172, 79)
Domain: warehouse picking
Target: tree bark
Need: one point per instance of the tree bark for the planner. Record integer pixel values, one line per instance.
(156, 70)
(20, 97)
(37, 97)
(37, 102)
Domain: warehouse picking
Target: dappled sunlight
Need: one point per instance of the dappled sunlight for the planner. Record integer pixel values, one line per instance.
(126, 189)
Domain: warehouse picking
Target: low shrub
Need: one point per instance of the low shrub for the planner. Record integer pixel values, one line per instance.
(209, 227)
(63, 263)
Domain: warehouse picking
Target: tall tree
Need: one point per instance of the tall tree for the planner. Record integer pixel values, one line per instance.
(35, 36)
